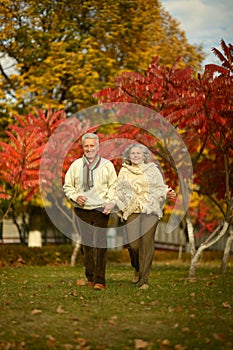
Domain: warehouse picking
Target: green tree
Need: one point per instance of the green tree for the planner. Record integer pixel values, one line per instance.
(66, 50)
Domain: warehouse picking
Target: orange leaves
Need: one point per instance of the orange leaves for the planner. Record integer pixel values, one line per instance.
(36, 312)
(141, 344)
(21, 155)
(60, 310)
(201, 108)
(226, 304)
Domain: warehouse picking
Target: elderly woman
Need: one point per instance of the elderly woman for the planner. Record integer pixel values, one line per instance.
(141, 194)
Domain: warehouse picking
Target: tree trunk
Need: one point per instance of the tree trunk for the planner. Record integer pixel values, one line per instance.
(203, 246)
(74, 225)
(182, 241)
(227, 250)
(18, 228)
(74, 254)
(190, 235)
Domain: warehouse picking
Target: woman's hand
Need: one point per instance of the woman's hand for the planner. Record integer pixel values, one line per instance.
(171, 194)
(108, 208)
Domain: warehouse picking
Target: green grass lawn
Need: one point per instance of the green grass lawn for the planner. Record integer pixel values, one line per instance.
(43, 308)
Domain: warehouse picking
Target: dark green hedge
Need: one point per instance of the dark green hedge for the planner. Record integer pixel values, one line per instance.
(19, 255)
(16, 255)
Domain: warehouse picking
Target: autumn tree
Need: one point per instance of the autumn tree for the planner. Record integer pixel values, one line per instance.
(64, 51)
(19, 165)
(20, 161)
(201, 110)
(218, 182)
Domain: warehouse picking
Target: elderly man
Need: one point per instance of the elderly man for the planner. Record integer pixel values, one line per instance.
(90, 184)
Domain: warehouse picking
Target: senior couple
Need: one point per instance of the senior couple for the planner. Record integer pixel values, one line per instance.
(138, 193)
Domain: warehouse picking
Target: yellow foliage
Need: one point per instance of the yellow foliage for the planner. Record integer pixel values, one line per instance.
(66, 51)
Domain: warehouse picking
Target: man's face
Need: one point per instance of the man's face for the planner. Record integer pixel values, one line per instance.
(90, 149)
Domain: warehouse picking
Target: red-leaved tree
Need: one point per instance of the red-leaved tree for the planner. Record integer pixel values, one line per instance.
(201, 110)
(20, 160)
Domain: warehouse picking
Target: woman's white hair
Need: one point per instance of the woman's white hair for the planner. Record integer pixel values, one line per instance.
(126, 153)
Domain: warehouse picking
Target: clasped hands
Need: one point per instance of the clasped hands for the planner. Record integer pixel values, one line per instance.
(107, 206)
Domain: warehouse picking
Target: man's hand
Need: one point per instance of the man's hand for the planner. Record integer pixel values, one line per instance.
(81, 200)
(108, 207)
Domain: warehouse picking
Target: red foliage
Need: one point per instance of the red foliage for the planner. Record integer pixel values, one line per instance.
(21, 156)
(200, 107)
(202, 221)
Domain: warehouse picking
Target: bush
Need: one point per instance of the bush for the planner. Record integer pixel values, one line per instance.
(16, 255)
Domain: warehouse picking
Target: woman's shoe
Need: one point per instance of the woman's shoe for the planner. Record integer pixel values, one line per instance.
(83, 282)
(144, 286)
(135, 278)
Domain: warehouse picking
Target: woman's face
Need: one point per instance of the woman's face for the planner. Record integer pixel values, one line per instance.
(136, 155)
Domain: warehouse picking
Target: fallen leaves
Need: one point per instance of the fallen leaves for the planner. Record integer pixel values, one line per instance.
(141, 344)
(226, 305)
(51, 342)
(36, 311)
(165, 342)
(219, 336)
(192, 279)
(185, 329)
(113, 320)
(209, 283)
(83, 343)
(68, 346)
(5, 345)
(60, 310)
(179, 347)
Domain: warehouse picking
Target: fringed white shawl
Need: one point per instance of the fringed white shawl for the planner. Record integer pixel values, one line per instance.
(140, 189)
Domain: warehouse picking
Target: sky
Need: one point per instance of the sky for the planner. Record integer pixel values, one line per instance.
(204, 22)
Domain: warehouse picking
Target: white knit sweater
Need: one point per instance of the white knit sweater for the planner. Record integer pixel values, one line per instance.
(140, 189)
(104, 190)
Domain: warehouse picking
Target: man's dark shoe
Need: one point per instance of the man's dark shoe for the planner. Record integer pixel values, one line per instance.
(99, 286)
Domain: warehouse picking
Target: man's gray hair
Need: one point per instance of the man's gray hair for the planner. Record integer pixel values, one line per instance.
(126, 153)
(90, 135)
